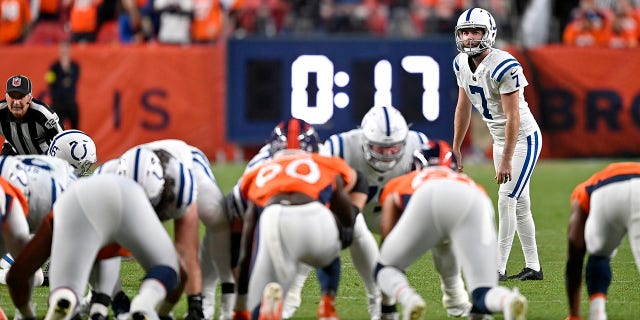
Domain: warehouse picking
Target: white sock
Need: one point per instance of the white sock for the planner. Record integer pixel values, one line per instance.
(152, 292)
(496, 298)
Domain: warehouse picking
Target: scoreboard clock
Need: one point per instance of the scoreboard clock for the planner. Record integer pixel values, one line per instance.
(331, 83)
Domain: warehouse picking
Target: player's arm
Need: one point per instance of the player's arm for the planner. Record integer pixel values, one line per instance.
(461, 122)
(575, 257)
(186, 242)
(244, 260)
(390, 215)
(30, 259)
(358, 191)
(511, 110)
(344, 211)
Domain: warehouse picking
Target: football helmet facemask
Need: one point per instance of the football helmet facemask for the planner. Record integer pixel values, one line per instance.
(294, 134)
(75, 147)
(384, 132)
(476, 18)
(434, 153)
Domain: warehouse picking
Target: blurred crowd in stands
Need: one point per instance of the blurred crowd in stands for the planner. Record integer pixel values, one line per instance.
(606, 23)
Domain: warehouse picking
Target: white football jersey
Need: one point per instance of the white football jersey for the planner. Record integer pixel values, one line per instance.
(498, 73)
(47, 178)
(349, 146)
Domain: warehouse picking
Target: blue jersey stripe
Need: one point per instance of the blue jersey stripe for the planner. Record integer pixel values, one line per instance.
(527, 168)
(54, 194)
(191, 188)
(181, 187)
(341, 146)
(493, 74)
(536, 150)
(515, 64)
(456, 67)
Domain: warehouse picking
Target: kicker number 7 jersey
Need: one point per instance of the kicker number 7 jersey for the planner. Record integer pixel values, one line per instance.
(499, 73)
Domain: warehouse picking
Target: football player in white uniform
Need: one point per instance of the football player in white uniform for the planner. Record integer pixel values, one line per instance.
(428, 206)
(41, 179)
(381, 149)
(100, 217)
(215, 256)
(208, 207)
(492, 81)
(168, 185)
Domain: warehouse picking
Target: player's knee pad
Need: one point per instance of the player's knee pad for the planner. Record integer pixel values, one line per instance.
(165, 274)
(478, 296)
(598, 274)
(376, 270)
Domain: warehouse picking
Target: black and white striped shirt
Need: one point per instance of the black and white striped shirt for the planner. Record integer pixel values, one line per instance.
(33, 133)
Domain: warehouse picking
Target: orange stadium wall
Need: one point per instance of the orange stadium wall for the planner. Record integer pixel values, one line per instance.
(587, 101)
(131, 95)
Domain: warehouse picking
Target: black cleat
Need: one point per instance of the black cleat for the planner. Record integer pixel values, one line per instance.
(139, 315)
(98, 316)
(528, 274)
(503, 277)
(120, 303)
(45, 273)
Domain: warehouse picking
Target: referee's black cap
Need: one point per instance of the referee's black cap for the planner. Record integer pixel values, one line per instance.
(19, 84)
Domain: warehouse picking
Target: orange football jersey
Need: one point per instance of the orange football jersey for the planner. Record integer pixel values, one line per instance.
(403, 187)
(308, 173)
(612, 173)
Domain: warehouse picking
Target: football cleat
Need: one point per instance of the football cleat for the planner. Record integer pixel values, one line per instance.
(120, 303)
(459, 310)
(415, 309)
(516, 306)
(271, 307)
(374, 305)
(241, 315)
(63, 303)
(503, 277)
(327, 309)
(528, 274)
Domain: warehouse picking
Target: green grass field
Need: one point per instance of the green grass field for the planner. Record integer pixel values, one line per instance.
(551, 185)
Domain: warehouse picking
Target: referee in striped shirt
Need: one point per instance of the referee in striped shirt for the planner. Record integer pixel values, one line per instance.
(28, 125)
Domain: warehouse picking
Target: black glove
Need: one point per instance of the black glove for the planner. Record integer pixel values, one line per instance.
(195, 307)
(346, 236)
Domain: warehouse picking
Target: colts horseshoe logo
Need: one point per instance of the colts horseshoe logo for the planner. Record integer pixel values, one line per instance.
(75, 144)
